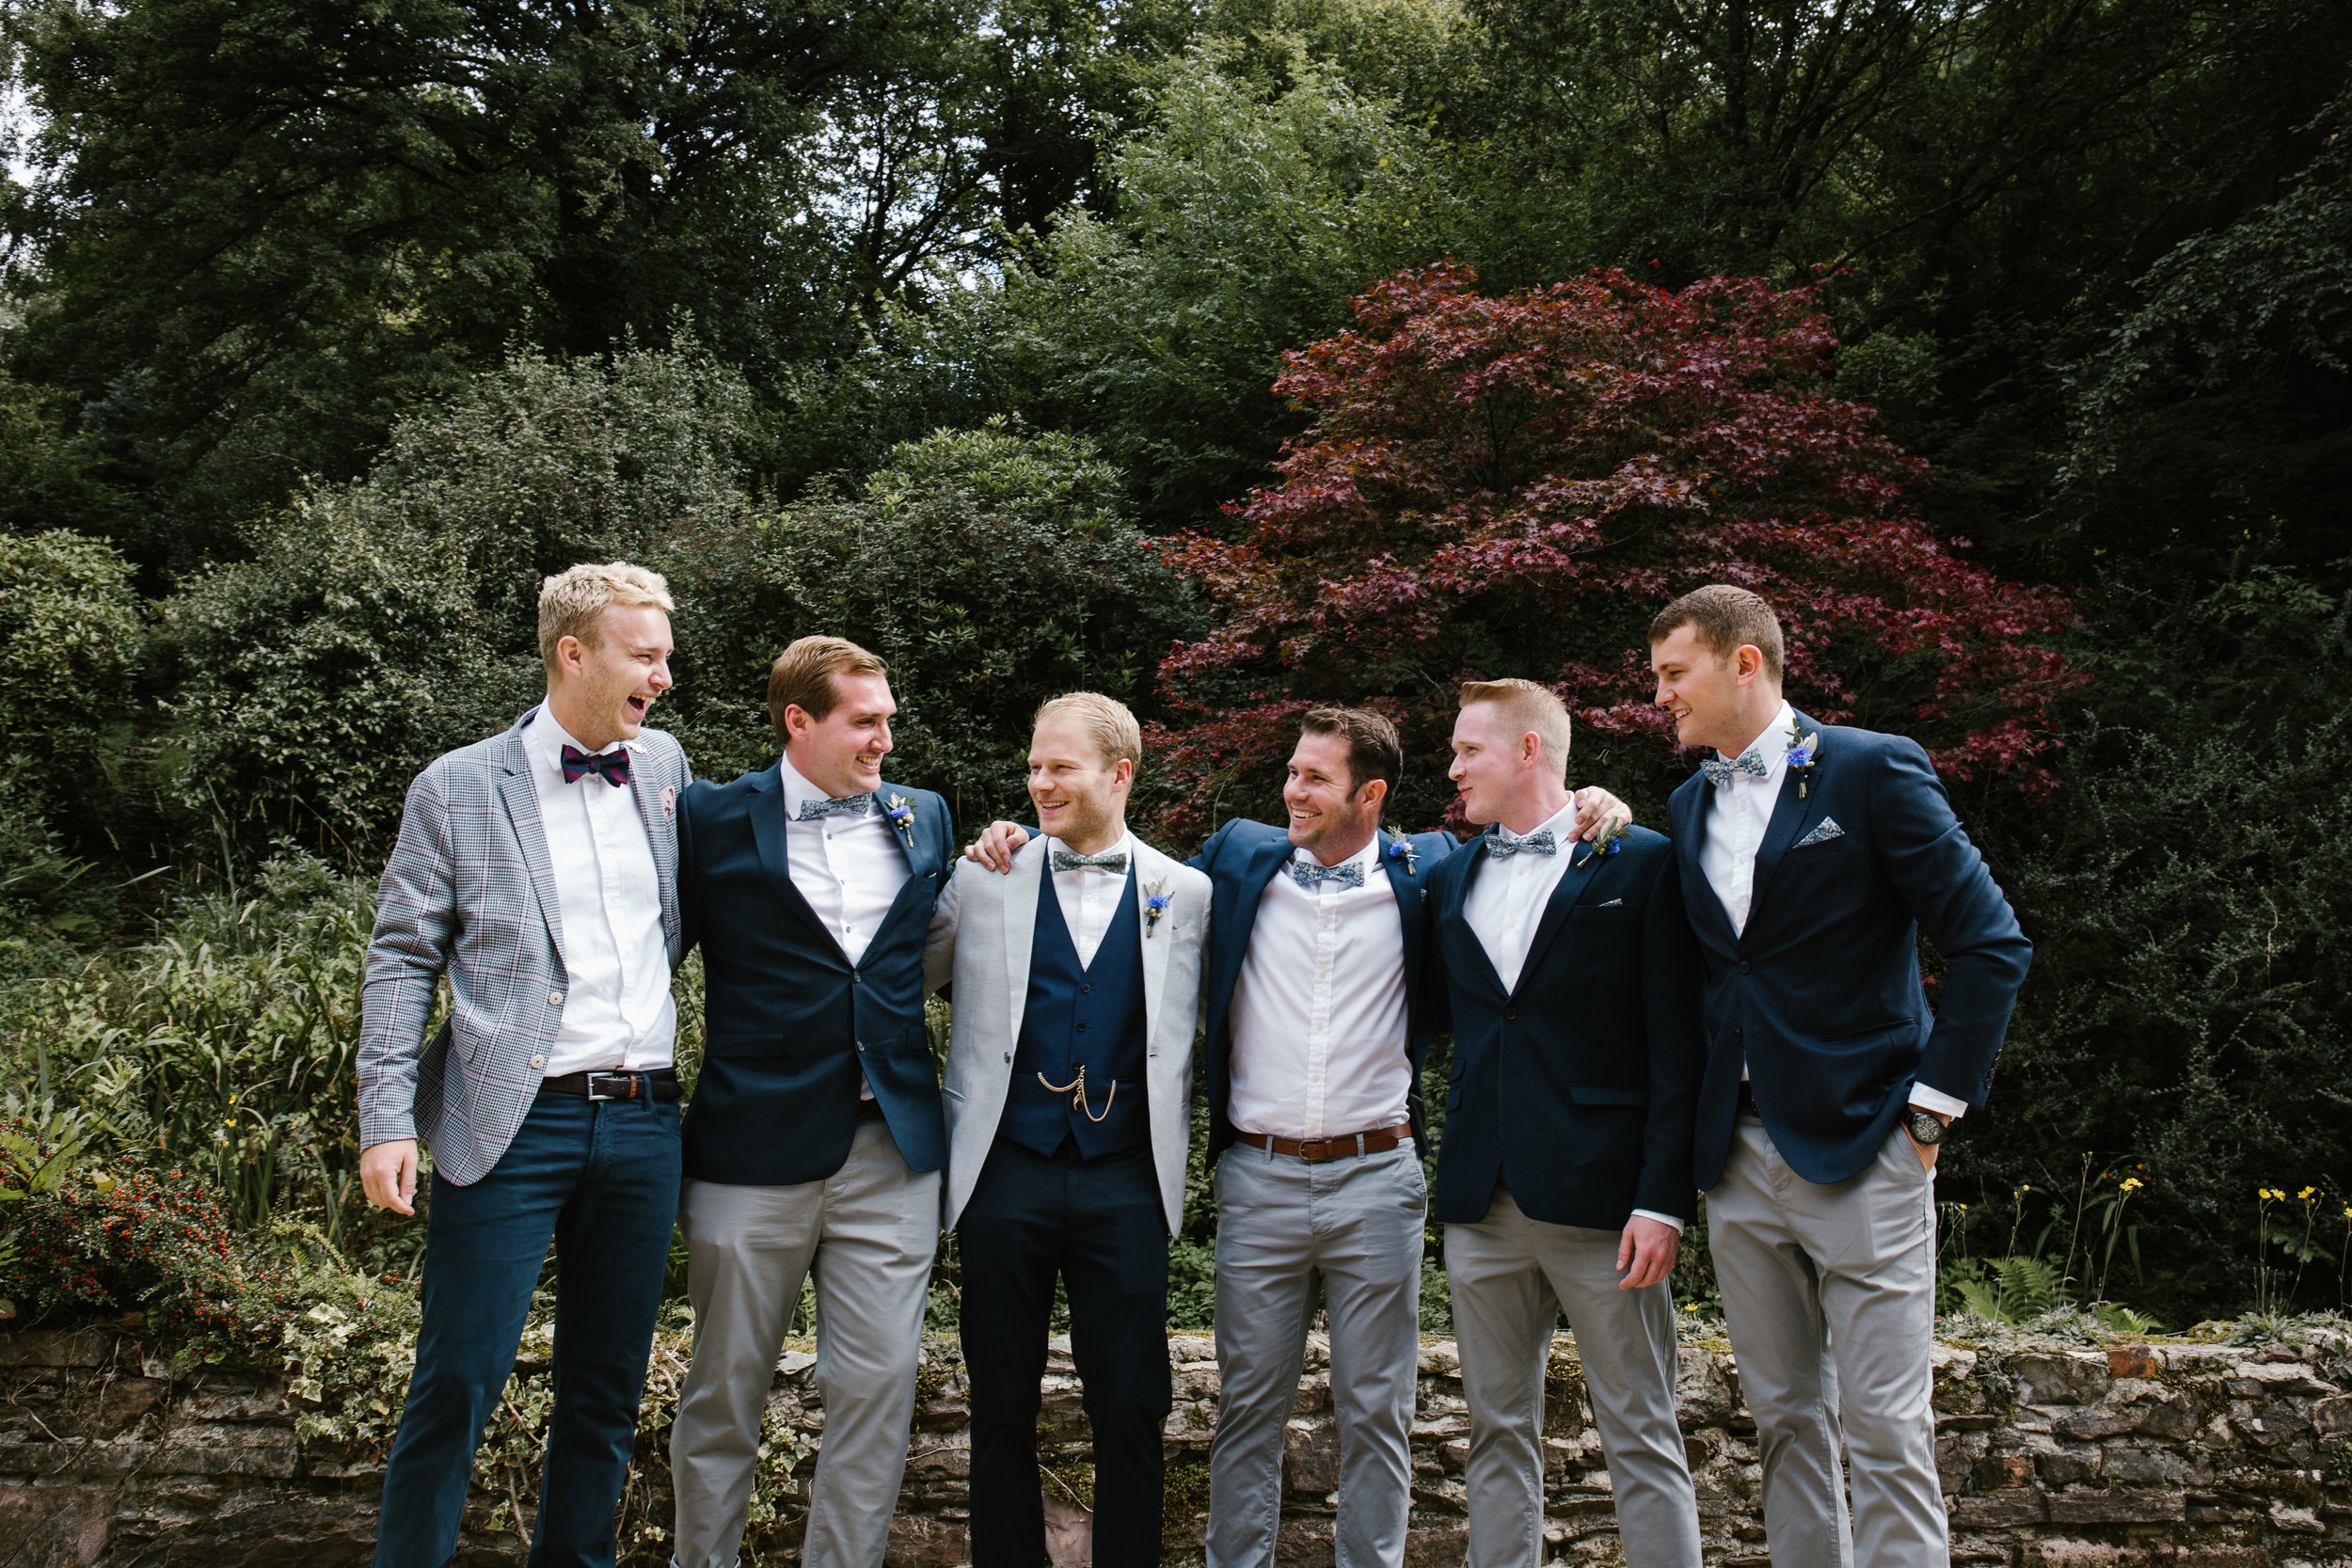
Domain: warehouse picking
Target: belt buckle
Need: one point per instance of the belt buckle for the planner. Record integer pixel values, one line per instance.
(627, 1078)
(1315, 1151)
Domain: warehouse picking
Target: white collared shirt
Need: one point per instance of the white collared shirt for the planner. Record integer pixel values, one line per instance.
(1318, 1016)
(1507, 897)
(1738, 812)
(618, 1012)
(848, 868)
(1090, 896)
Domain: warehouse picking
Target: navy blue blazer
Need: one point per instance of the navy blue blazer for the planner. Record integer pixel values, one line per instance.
(790, 1023)
(1820, 994)
(1577, 1086)
(1240, 859)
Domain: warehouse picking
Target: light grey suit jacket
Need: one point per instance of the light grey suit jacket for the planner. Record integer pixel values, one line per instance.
(980, 938)
(469, 894)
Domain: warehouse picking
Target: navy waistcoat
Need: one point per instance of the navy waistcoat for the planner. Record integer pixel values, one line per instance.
(1081, 1016)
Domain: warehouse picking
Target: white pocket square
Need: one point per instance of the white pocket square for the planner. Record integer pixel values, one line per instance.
(1822, 832)
(1611, 904)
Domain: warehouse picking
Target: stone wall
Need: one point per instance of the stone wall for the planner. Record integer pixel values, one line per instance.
(2132, 1456)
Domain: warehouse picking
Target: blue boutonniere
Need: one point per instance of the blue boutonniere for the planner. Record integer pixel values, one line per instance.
(1804, 751)
(1401, 849)
(1609, 843)
(1155, 905)
(901, 814)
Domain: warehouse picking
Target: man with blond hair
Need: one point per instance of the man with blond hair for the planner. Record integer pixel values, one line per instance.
(1565, 1179)
(536, 873)
(815, 1142)
(1077, 992)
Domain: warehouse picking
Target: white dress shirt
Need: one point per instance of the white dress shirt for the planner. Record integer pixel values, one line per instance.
(1506, 903)
(1090, 896)
(848, 869)
(1318, 1017)
(618, 1012)
(1738, 812)
(1507, 897)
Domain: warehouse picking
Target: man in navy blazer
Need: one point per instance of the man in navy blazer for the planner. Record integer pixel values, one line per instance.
(1811, 857)
(1563, 1180)
(816, 1136)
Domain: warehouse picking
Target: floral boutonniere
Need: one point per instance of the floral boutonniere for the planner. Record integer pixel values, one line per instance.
(1609, 843)
(1155, 905)
(901, 814)
(1401, 849)
(1804, 751)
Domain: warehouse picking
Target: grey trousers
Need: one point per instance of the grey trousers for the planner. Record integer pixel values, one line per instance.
(1830, 1293)
(1353, 1226)
(1511, 1275)
(869, 1232)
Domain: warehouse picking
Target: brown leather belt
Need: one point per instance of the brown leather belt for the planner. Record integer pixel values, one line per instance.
(1747, 1101)
(660, 1084)
(1317, 1150)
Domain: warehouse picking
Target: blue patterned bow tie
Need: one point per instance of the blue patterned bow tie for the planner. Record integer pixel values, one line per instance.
(840, 805)
(1750, 761)
(613, 766)
(1112, 861)
(1308, 874)
(1504, 842)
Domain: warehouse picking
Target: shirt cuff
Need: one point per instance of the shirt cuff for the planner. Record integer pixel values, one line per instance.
(1938, 1101)
(1662, 1219)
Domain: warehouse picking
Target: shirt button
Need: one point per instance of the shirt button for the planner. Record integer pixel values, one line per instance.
(555, 999)
(538, 1061)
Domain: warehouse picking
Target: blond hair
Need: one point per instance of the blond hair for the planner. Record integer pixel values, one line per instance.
(1727, 619)
(1106, 720)
(802, 674)
(572, 603)
(1525, 706)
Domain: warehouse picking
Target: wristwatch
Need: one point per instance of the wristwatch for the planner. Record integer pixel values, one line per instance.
(1925, 1127)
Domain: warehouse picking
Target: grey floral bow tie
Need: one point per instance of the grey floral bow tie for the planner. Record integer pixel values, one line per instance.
(1505, 841)
(840, 805)
(1308, 875)
(1750, 761)
(1112, 861)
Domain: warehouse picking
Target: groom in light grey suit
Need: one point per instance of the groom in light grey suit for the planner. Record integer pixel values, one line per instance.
(1077, 992)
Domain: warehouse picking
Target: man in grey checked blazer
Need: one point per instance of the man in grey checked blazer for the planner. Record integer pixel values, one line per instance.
(535, 872)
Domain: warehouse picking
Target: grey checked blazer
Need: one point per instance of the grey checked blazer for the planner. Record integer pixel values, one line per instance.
(469, 894)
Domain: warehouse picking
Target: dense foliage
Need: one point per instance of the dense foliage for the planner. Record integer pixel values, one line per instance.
(1137, 346)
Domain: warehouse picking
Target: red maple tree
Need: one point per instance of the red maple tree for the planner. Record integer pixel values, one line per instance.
(1513, 485)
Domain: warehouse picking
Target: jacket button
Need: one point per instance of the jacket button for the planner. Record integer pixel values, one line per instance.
(1745, 966)
(555, 999)
(1085, 989)
(1008, 1055)
(1510, 1012)
(538, 1061)
(1738, 1034)
(1082, 1028)
(855, 978)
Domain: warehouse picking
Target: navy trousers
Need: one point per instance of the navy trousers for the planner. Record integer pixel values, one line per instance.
(598, 1179)
(1096, 1225)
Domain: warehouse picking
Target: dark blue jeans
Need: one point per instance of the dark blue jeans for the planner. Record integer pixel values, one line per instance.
(598, 1179)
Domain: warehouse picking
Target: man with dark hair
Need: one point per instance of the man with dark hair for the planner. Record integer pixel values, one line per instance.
(816, 1138)
(1315, 1041)
(1811, 856)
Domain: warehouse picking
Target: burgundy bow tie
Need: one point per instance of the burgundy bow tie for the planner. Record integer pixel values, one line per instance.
(613, 764)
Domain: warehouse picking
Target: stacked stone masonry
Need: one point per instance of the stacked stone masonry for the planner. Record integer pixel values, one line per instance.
(2182, 1455)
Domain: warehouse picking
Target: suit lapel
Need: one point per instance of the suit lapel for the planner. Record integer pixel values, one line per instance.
(1152, 870)
(1576, 880)
(1791, 814)
(519, 795)
(1686, 810)
(1022, 892)
(1457, 902)
(768, 818)
(1408, 888)
(664, 852)
(925, 850)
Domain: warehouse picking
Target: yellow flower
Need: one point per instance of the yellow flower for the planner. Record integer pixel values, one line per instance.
(2308, 1194)
(2133, 1183)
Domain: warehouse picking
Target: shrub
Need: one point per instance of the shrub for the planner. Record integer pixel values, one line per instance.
(72, 632)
